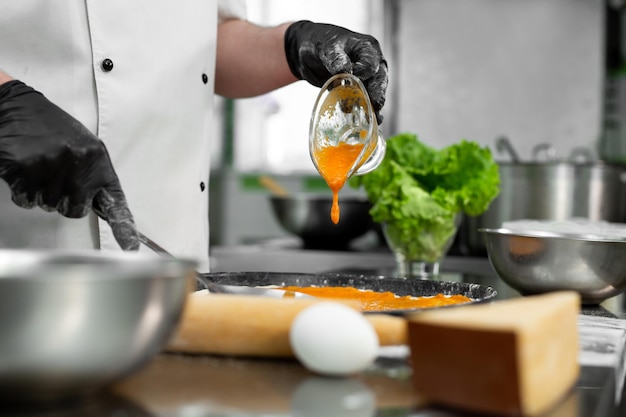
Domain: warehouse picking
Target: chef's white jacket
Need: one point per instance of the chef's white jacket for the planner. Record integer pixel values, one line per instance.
(139, 74)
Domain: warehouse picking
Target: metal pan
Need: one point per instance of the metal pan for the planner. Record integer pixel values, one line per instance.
(399, 286)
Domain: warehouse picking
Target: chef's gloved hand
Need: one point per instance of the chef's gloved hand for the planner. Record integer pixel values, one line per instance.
(317, 51)
(50, 160)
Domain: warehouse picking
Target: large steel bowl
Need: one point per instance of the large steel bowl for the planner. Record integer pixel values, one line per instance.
(72, 323)
(307, 216)
(539, 262)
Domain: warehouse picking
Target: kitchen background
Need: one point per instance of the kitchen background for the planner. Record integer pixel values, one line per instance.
(546, 74)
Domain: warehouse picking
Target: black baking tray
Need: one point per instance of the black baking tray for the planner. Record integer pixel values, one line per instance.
(399, 286)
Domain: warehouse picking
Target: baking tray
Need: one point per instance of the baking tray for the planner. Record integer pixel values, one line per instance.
(252, 283)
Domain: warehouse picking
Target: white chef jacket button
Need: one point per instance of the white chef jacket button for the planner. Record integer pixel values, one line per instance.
(202, 186)
(107, 65)
(205, 78)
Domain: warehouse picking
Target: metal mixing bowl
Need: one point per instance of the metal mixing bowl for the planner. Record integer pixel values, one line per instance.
(73, 322)
(539, 262)
(308, 217)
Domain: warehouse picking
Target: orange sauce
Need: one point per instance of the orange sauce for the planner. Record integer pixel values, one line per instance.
(380, 301)
(334, 163)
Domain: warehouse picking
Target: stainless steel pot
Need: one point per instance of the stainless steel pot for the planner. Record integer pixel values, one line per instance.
(552, 190)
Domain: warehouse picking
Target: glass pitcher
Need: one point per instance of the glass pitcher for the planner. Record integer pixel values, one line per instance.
(343, 116)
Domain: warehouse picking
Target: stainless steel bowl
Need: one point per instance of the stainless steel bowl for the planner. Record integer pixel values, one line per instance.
(308, 217)
(72, 323)
(539, 262)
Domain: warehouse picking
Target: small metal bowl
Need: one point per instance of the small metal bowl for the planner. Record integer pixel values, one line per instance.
(71, 323)
(539, 262)
(307, 216)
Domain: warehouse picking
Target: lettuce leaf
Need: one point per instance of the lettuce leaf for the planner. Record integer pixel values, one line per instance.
(419, 189)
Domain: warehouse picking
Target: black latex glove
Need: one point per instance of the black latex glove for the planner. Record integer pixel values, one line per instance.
(317, 51)
(50, 160)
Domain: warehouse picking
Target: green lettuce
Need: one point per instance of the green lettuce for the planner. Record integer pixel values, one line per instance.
(418, 192)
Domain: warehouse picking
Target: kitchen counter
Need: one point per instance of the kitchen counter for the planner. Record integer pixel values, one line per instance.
(175, 385)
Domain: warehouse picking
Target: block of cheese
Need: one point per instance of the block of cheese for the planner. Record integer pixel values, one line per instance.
(512, 357)
(247, 325)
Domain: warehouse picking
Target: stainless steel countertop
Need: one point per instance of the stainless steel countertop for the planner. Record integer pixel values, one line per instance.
(175, 385)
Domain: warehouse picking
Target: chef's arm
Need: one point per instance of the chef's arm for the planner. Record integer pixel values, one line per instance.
(250, 59)
(49, 159)
(253, 60)
(4, 77)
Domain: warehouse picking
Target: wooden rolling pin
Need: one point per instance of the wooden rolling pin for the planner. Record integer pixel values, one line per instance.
(240, 325)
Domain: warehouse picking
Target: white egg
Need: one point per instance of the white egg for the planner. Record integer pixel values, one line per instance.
(333, 339)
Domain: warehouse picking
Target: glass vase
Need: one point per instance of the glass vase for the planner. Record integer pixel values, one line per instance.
(419, 254)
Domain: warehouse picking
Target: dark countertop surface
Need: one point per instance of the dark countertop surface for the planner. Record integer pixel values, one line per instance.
(175, 385)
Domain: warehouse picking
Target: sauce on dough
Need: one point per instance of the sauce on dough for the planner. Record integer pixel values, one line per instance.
(380, 301)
